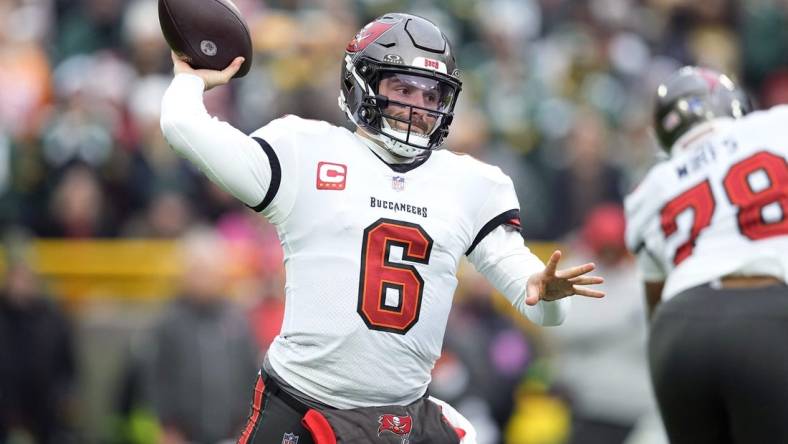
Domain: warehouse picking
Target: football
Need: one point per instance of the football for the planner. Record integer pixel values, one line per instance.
(208, 34)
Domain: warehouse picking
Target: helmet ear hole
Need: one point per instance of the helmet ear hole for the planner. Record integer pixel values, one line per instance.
(367, 71)
(369, 112)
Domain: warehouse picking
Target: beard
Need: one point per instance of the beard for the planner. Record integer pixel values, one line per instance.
(418, 124)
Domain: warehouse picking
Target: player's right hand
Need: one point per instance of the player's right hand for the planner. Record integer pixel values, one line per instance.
(210, 77)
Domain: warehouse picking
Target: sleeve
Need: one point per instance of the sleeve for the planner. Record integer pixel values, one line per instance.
(281, 139)
(649, 268)
(507, 263)
(500, 208)
(638, 207)
(241, 165)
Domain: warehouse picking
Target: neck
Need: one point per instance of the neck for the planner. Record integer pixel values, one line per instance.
(699, 133)
(378, 148)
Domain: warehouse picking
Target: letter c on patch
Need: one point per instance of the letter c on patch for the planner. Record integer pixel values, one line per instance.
(331, 176)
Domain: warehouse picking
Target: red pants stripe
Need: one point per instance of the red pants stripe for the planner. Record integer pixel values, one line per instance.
(254, 416)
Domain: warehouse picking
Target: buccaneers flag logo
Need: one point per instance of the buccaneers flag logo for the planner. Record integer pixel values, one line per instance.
(367, 35)
(398, 425)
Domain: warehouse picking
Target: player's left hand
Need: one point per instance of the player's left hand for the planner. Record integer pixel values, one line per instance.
(551, 284)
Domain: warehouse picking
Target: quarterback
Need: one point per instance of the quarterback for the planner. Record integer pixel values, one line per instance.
(710, 228)
(373, 224)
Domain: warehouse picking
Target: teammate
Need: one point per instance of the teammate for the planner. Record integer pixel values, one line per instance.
(373, 225)
(710, 231)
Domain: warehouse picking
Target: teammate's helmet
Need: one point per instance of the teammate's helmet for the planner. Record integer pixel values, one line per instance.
(414, 53)
(694, 95)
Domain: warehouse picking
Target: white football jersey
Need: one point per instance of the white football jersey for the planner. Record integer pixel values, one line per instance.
(371, 251)
(718, 206)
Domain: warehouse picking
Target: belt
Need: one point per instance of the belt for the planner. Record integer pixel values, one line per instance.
(733, 281)
(275, 389)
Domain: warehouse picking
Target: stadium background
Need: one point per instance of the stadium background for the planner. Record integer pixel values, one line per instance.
(556, 92)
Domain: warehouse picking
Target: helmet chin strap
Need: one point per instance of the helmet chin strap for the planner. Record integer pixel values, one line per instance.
(381, 146)
(399, 148)
(402, 150)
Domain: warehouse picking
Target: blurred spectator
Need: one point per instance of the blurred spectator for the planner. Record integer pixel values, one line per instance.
(553, 94)
(764, 40)
(147, 169)
(204, 356)
(87, 25)
(37, 358)
(549, 76)
(133, 420)
(168, 216)
(142, 36)
(599, 352)
(26, 75)
(77, 208)
(587, 177)
(258, 272)
(267, 314)
(481, 388)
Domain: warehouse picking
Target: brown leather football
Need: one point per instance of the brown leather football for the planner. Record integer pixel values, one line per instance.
(209, 34)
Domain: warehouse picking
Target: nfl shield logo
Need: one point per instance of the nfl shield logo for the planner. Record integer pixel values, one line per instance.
(398, 183)
(290, 438)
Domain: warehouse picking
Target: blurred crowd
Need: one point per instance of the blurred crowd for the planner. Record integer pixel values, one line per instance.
(556, 92)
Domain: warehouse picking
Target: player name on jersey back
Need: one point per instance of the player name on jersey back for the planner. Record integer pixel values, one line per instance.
(704, 156)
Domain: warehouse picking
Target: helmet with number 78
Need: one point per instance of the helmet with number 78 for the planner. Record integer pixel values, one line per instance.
(400, 83)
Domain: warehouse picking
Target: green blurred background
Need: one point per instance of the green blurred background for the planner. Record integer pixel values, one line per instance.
(110, 239)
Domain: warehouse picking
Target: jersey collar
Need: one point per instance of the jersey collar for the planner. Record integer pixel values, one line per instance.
(700, 133)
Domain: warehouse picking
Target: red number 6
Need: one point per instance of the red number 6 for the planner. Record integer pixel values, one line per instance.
(379, 275)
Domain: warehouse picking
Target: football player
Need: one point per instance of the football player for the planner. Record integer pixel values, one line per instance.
(373, 224)
(709, 226)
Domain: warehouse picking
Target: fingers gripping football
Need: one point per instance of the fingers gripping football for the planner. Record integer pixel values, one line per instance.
(552, 284)
(210, 77)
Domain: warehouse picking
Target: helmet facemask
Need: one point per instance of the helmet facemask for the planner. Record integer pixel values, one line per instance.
(410, 113)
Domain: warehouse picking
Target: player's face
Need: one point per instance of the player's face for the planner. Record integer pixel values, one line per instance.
(423, 93)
